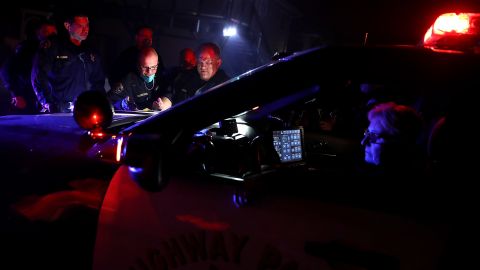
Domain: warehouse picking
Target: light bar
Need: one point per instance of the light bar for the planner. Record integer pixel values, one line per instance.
(452, 23)
(453, 31)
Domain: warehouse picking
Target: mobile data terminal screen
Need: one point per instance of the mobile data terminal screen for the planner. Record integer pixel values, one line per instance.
(289, 144)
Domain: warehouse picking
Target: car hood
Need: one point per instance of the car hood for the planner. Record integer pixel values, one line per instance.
(58, 122)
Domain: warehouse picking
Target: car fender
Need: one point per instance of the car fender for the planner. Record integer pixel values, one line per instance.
(200, 225)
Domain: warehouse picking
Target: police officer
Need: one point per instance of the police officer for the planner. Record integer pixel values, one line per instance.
(142, 89)
(67, 68)
(17, 69)
(208, 74)
(128, 59)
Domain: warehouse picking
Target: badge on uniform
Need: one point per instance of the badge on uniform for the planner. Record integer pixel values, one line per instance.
(92, 57)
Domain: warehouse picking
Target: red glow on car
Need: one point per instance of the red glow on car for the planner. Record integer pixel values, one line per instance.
(97, 134)
(203, 224)
(86, 192)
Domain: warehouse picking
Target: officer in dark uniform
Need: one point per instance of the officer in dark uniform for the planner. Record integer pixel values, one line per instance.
(128, 59)
(17, 70)
(207, 76)
(185, 85)
(67, 68)
(142, 89)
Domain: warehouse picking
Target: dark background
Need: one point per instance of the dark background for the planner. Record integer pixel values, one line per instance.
(265, 26)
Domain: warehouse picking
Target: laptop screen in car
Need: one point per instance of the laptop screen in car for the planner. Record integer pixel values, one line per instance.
(289, 144)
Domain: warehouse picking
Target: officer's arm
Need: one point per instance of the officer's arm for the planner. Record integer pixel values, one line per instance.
(42, 64)
(121, 97)
(7, 75)
(97, 77)
(165, 99)
(116, 95)
(165, 92)
(10, 80)
(168, 92)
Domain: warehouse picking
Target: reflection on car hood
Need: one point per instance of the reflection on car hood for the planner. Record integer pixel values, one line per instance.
(51, 134)
(61, 122)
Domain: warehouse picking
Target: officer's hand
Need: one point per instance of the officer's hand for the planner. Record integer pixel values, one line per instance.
(19, 102)
(160, 105)
(45, 108)
(157, 104)
(128, 105)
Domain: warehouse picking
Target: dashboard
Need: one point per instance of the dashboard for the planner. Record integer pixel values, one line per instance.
(244, 146)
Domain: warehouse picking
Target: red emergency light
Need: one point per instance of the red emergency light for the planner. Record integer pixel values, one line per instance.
(454, 31)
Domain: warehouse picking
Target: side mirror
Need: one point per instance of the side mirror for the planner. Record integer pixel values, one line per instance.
(92, 110)
(148, 162)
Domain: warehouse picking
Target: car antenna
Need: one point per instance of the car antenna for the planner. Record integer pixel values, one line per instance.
(365, 39)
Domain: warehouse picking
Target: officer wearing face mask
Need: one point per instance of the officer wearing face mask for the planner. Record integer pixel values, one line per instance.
(142, 89)
(127, 60)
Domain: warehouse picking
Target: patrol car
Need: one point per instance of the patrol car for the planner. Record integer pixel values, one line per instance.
(234, 179)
